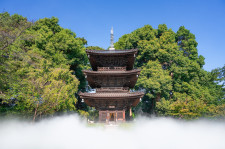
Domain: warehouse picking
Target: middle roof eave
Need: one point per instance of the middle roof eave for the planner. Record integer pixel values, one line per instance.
(111, 72)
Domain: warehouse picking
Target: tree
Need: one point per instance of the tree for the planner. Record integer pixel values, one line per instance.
(172, 73)
(94, 48)
(156, 82)
(11, 28)
(41, 62)
(45, 91)
(219, 75)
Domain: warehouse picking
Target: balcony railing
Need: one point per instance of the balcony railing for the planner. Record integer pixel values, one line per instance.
(111, 68)
(112, 89)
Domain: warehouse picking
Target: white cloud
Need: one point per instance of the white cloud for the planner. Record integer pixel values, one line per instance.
(69, 132)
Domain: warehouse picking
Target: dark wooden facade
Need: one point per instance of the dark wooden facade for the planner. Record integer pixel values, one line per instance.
(113, 58)
(112, 76)
(109, 115)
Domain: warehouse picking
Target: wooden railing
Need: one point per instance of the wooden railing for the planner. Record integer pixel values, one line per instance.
(111, 68)
(112, 89)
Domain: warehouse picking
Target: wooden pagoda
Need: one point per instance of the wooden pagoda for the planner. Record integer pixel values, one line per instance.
(112, 76)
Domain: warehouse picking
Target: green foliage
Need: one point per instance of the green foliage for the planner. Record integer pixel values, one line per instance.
(155, 81)
(172, 76)
(94, 48)
(42, 93)
(11, 28)
(93, 114)
(41, 71)
(38, 61)
(219, 75)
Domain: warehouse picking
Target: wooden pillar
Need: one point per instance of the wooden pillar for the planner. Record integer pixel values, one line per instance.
(116, 115)
(124, 115)
(100, 116)
(130, 112)
(107, 116)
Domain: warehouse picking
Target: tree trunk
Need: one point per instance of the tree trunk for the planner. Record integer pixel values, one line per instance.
(35, 113)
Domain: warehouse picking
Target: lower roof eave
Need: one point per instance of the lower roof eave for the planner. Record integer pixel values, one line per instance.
(110, 95)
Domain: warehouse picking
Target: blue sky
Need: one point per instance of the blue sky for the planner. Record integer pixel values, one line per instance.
(93, 19)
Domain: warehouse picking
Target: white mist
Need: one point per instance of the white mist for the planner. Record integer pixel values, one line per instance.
(69, 132)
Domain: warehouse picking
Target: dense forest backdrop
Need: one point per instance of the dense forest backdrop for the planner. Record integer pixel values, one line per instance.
(41, 63)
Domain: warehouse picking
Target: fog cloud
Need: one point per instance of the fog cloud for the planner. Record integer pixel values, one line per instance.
(69, 132)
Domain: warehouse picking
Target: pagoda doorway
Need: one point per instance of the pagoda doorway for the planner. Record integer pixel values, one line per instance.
(112, 117)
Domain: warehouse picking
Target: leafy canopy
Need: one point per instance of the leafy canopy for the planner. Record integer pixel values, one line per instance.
(40, 64)
(172, 76)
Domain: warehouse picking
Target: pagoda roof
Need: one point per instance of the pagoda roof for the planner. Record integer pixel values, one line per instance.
(112, 95)
(112, 52)
(97, 79)
(112, 72)
(112, 58)
(110, 101)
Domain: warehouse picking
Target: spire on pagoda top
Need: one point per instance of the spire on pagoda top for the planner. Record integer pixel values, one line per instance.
(111, 40)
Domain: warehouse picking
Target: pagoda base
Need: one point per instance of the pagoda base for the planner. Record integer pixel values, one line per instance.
(112, 116)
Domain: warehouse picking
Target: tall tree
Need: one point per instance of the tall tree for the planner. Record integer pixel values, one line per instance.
(11, 28)
(172, 73)
(41, 61)
(219, 75)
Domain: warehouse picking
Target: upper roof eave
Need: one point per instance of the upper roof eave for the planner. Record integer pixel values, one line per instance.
(112, 52)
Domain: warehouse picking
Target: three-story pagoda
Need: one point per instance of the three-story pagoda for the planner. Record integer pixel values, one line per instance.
(112, 76)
